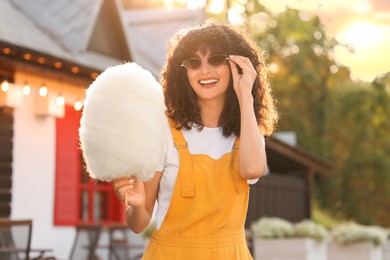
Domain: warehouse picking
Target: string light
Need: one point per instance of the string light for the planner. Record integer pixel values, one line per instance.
(75, 69)
(27, 56)
(6, 51)
(5, 86)
(43, 90)
(26, 89)
(60, 100)
(17, 90)
(57, 65)
(78, 105)
(41, 60)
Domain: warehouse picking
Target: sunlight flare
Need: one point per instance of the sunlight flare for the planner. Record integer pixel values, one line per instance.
(216, 6)
(361, 35)
(235, 15)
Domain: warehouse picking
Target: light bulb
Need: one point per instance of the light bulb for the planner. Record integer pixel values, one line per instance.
(43, 91)
(60, 100)
(26, 89)
(5, 86)
(78, 105)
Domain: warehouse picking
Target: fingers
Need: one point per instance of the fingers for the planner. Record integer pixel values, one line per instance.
(233, 67)
(122, 186)
(119, 182)
(242, 83)
(243, 62)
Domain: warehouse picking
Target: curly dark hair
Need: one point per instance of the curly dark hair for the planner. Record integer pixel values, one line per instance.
(181, 100)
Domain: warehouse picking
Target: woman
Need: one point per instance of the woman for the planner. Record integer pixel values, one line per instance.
(219, 106)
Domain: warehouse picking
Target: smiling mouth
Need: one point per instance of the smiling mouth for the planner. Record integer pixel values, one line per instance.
(208, 81)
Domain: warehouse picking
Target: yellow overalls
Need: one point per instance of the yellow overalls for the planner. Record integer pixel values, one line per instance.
(206, 216)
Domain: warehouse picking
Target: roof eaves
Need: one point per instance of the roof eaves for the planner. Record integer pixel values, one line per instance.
(299, 155)
(35, 58)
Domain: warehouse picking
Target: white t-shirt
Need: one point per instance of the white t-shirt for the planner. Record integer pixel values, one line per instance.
(216, 146)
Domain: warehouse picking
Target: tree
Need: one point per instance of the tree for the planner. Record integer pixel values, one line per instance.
(360, 149)
(344, 121)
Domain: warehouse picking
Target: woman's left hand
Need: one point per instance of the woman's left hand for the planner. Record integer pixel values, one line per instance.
(242, 83)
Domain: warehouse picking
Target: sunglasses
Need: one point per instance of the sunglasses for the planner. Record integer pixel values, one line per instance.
(214, 61)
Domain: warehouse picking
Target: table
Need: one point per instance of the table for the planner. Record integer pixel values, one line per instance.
(118, 242)
(41, 251)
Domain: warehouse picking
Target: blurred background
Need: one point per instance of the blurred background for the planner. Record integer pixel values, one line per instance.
(329, 68)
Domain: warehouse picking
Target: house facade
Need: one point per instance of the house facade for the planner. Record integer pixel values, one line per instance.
(50, 52)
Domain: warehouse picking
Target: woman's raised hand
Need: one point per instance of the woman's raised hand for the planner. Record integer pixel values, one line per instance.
(242, 83)
(130, 191)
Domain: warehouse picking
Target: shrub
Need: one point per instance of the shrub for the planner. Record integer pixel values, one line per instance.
(308, 228)
(272, 228)
(280, 228)
(352, 232)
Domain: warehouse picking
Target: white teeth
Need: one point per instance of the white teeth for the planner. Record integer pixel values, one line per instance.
(208, 81)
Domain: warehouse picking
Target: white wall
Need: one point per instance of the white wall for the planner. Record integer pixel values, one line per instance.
(33, 178)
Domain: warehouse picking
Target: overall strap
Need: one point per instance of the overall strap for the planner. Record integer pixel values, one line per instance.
(185, 173)
(241, 184)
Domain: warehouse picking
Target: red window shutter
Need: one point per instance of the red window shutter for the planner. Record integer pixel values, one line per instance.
(116, 208)
(68, 169)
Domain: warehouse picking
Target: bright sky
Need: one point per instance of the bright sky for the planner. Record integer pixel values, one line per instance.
(364, 25)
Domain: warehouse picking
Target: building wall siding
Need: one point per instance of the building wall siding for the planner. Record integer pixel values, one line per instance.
(278, 195)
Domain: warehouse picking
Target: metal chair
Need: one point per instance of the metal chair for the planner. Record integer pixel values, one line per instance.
(15, 239)
(86, 241)
(121, 246)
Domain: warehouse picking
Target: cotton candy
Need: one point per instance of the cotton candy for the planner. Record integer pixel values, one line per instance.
(123, 128)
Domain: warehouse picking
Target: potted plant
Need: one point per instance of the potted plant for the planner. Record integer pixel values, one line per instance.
(386, 246)
(276, 238)
(354, 241)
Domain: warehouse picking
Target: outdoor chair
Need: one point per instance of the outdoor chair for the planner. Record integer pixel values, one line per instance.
(121, 245)
(85, 243)
(15, 239)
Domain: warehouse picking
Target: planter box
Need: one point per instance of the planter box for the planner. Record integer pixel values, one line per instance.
(386, 250)
(355, 251)
(289, 249)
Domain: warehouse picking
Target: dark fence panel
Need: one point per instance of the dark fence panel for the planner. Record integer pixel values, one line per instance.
(6, 144)
(278, 195)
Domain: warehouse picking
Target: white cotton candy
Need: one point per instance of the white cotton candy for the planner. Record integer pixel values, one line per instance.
(123, 126)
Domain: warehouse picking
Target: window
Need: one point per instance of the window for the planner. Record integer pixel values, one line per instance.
(77, 197)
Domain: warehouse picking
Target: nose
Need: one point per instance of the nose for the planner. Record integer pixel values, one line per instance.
(205, 66)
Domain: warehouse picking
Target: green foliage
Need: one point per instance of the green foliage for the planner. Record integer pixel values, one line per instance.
(359, 153)
(323, 217)
(271, 228)
(308, 228)
(352, 233)
(344, 121)
(302, 53)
